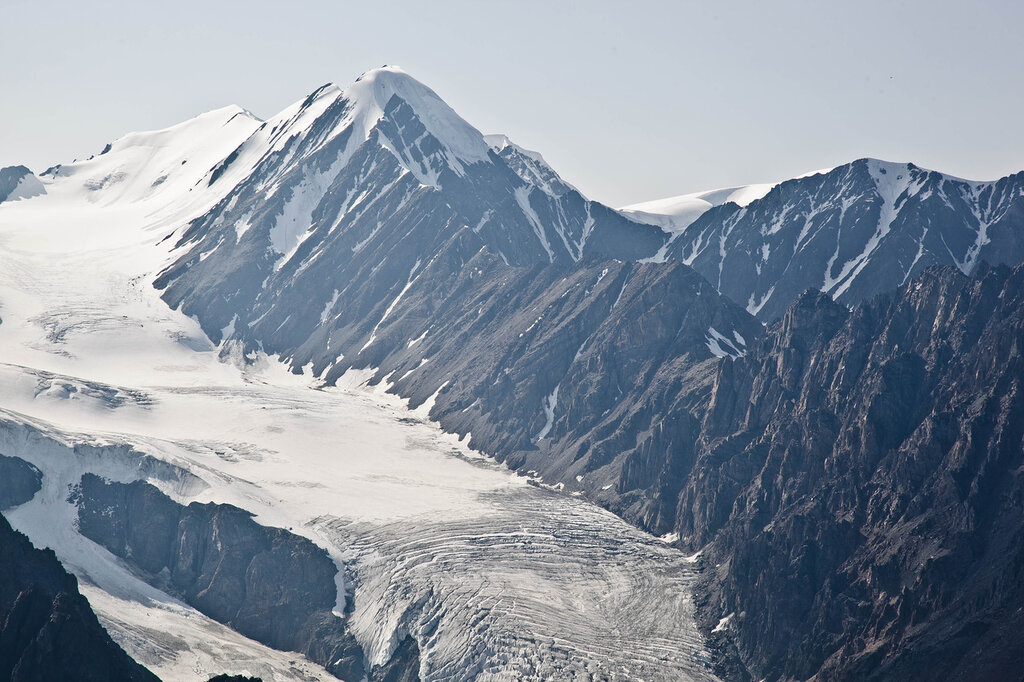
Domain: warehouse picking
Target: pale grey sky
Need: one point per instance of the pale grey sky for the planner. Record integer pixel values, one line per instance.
(627, 100)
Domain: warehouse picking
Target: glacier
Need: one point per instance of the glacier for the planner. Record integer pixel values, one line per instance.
(495, 576)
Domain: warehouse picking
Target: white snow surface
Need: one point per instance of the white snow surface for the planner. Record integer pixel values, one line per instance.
(675, 214)
(374, 89)
(496, 578)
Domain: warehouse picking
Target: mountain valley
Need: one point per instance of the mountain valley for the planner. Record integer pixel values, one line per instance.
(358, 392)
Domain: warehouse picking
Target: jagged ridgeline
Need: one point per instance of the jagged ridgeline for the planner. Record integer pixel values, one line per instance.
(854, 231)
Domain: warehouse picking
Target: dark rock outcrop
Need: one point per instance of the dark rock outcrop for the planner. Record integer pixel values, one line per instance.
(19, 481)
(48, 631)
(860, 482)
(18, 182)
(266, 583)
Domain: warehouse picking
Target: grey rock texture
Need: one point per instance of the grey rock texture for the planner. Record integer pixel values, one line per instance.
(859, 480)
(861, 229)
(47, 629)
(266, 583)
(19, 481)
(576, 373)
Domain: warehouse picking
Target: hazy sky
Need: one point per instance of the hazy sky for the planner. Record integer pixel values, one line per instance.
(628, 100)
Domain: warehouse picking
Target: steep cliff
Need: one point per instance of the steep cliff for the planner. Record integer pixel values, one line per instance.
(268, 584)
(860, 481)
(47, 629)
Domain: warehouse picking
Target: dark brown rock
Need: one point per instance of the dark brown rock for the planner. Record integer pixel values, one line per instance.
(48, 631)
(268, 584)
(19, 481)
(861, 481)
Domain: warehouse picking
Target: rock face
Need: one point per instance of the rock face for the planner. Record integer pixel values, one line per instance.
(47, 629)
(18, 182)
(860, 483)
(465, 268)
(265, 583)
(858, 230)
(19, 481)
(567, 371)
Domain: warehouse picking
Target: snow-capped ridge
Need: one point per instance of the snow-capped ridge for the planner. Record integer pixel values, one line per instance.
(370, 94)
(164, 166)
(675, 214)
(500, 142)
(202, 124)
(529, 165)
(883, 167)
(852, 231)
(356, 112)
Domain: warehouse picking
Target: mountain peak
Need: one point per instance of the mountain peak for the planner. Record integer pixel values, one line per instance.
(372, 91)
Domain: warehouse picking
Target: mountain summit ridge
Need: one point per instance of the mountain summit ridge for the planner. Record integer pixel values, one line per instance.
(855, 231)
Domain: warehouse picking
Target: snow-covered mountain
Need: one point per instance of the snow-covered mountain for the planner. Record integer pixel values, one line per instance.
(473, 274)
(675, 214)
(854, 231)
(275, 368)
(320, 180)
(348, 231)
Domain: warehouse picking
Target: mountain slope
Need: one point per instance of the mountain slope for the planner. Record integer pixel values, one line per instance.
(47, 629)
(859, 479)
(855, 231)
(566, 372)
(364, 183)
(453, 268)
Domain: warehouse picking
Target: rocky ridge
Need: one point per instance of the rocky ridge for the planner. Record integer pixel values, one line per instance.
(47, 629)
(858, 487)
(855, 231)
